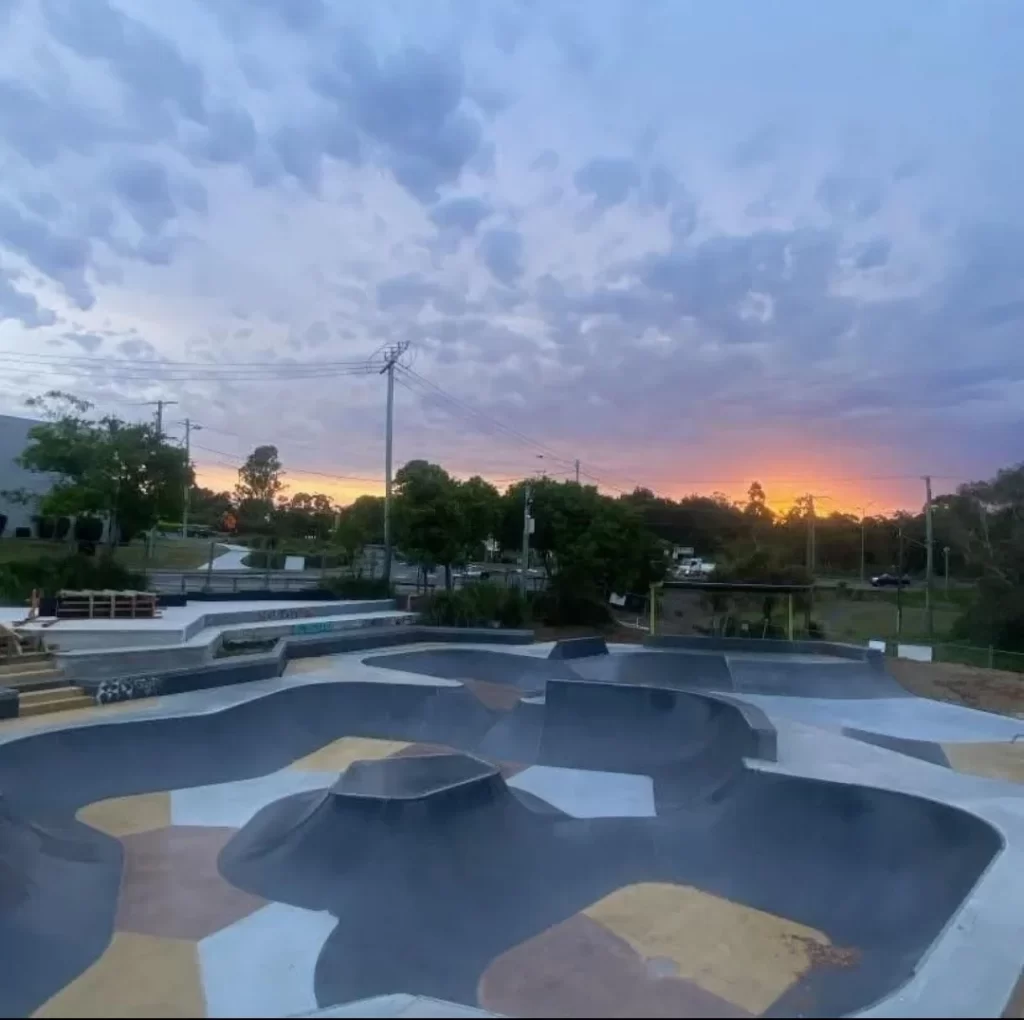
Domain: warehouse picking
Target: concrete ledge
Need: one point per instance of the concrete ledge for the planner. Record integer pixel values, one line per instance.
(924, 750)
(94, 663)
(8, 703)
(243, 669)
(767, 646)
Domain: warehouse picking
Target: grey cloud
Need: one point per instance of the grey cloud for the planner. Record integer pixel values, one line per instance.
(545, 161)
(193, 194)
(411, 106)
(317, 334)
(874, 254)
(89, 342)
(759, 147)
(412, 291)
(850, 197)
(300, 153)
(145, 62)
(16, 304)
(463, 214)
(659, 187)
(39, 128)
(229, 137)
(136, 347)
(301, 16)
(157, 251)
(608, 180)
(143, 186)
(61, 258)
(502, 252)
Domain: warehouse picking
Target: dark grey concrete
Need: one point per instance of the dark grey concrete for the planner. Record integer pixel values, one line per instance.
(525, 672)
(765, 646)
(925, 750)
(813, 680)
(8, 703)
(578, 648)
(683, 670)
(447, 780)
(427, 898)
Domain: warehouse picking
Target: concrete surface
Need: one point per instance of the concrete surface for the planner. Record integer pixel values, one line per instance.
(230, 559)
(633, 831)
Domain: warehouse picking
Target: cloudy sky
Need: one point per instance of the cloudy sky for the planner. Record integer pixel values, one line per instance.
(688, 243)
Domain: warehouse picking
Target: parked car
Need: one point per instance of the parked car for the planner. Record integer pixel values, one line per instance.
(890, 581)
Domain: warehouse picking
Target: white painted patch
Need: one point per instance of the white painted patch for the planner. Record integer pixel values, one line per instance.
(264, 964)
(585, 794)
(234, 804)
(919, 653)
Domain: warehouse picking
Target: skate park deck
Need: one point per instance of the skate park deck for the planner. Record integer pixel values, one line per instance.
(521, 835)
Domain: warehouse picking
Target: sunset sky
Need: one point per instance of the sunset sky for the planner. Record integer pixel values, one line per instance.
(689, 244)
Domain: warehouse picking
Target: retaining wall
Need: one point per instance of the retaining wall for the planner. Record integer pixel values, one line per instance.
(769, 646)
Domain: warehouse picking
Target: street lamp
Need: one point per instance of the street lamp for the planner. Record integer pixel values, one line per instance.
(861, 510)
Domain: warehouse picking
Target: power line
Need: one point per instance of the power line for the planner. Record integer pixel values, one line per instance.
(237, 460)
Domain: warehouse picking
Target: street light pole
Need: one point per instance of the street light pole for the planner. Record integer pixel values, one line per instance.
(527, 507)
(391, 356)
(189, 426)
(945, 556)
(899, 583)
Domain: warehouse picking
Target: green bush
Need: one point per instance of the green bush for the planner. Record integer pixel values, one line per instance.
(76, 573)
(358, 587)
(476, 605)
(561, 606)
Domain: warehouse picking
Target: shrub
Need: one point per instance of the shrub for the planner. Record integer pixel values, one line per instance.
(358, 587)
(62, 528)
(22, 532)
(88, 529)
(477, 605)
(50, 575)
(3, 523)
(560, 606)
(46, 527)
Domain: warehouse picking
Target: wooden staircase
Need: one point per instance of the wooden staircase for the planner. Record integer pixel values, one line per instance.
(40, 684)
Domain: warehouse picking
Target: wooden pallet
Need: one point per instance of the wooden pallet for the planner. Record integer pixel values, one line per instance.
(106, 605)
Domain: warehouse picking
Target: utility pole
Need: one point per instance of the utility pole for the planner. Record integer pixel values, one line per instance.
(391, 356)
(929, 558)
(811, 537)
(899, 583)
(160, 405)
(189, 426)
(527, 507)
(945, 554)
(577, 471)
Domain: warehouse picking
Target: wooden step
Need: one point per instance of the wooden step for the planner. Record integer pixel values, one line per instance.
(42, 683)
(43, 702)
(25, 664)
(30, 676)
(6, 660)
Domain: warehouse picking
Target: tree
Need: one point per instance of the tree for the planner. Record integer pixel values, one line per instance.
(105, 466)
(360, 524)
(209, 508)
(428, 515)
(480, 506)
(759, 517)
(307, 516)
(259, 483)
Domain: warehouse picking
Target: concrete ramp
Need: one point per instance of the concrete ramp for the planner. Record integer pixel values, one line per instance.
(795, 679)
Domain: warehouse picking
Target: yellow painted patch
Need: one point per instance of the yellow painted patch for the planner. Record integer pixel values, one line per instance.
(337, 756)
(311, 665)
(137, 976)
(993, 760)
(744, 956)
(123, 816)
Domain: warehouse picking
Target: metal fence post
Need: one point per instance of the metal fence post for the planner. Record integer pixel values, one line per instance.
(991, 656)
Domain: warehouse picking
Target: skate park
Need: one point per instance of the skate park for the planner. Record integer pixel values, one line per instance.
(439, 828)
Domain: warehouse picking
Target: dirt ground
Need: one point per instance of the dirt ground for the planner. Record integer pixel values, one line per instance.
(991, 690)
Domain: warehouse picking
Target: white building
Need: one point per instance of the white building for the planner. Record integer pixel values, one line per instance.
(13, 440)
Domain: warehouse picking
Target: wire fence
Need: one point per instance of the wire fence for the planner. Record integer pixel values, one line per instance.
(980, 656)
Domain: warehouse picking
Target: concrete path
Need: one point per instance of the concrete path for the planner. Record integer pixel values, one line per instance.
(229, 560)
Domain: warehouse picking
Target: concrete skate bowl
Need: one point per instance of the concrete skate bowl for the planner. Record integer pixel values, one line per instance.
(740, 673)
(332, 842)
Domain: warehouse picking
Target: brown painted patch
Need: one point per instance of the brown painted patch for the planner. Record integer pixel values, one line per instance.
(137, 976)
(496, 697)
(171, 887)
(309, 665)
(580, 969)
(123, 816)
(1015, 1004)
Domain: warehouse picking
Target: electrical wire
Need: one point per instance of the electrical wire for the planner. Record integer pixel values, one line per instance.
(292, 471)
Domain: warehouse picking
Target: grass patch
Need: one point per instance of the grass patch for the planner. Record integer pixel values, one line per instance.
(167, 553)
(860, 620)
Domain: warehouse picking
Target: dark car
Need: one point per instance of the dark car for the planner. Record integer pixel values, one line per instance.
(890, 581)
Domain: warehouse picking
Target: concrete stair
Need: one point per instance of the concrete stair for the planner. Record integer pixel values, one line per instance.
(40, 685)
